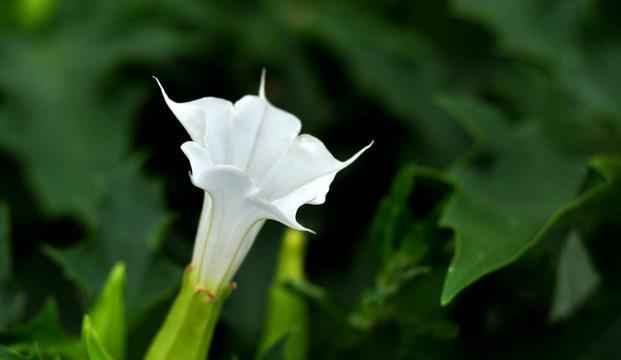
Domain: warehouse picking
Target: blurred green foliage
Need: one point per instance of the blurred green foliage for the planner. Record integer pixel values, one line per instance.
(498, 124)
(12, 299)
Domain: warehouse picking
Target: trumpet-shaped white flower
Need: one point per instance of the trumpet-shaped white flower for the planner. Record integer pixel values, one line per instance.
(253, 165)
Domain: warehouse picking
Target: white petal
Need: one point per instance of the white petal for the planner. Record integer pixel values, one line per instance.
(284, 215)
(218, 134)
(253, 137)
(253, 165)
(193, 115)
(243, 251)
(312, 192)
(230, 223)
(248, 116)
(306, 161)
(262, 85)
(200, 159)
(276, 131)
(226, 180)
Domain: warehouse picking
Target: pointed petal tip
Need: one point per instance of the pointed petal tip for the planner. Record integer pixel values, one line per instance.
(162, 89)
(357, 155)
(262, 85)
(158, 82)
(299, 227)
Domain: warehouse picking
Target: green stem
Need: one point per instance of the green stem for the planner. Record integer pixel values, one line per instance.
(189, 325)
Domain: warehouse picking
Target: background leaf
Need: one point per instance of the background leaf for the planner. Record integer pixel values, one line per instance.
(576, 278)
(532, 27)
(132, 237)
(12, 299)
(43, 333)
(8, 354)
(49, 76)
(511, 187)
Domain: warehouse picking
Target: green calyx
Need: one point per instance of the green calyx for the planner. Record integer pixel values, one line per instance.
(190, 323)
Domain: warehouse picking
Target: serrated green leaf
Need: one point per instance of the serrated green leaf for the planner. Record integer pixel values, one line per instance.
(132, 222)
(42, 333)
(600, 203)
(108, 314)
(576, 278)
(93, 348)
(510, 188)
(593, 331)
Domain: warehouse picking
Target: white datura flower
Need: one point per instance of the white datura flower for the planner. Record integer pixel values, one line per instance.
(253, 165)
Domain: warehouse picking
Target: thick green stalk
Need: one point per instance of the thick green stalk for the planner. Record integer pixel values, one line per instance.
(190, 323)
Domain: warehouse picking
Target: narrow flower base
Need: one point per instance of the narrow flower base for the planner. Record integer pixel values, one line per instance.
(190, 323)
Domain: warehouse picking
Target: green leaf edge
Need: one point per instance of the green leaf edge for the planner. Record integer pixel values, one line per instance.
(93, 349)
(597, 163)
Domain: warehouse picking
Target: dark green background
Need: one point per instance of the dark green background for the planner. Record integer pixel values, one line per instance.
(503, 116)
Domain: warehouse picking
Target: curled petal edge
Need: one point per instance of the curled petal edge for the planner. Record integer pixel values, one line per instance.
(232, 181)
(313, 193)
(193, 114)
